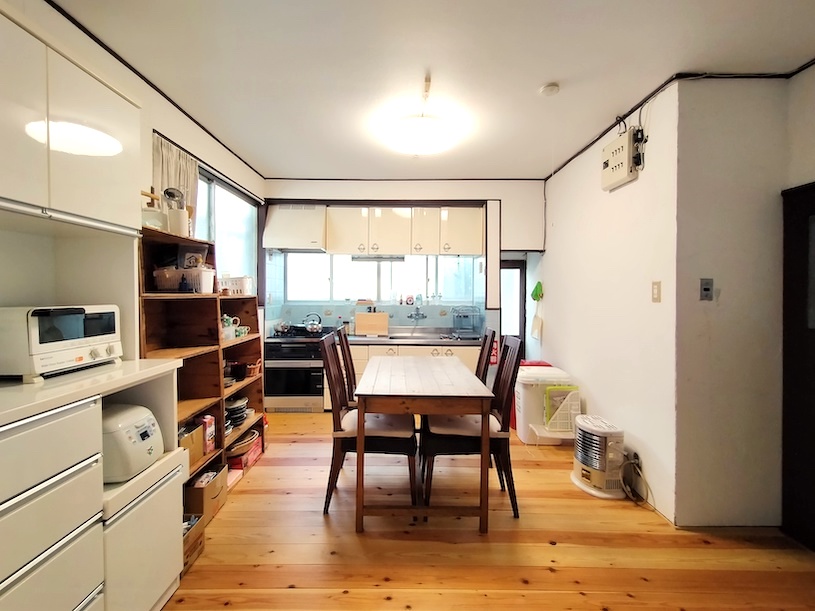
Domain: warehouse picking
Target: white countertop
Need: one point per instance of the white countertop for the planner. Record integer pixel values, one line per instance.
(18, 400)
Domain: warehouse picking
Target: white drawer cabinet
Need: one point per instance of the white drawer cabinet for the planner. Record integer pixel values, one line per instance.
(467, 354)
(106, 187)
(23, 160)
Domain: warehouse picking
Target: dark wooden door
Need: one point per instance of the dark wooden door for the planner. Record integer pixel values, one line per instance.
(798, 487)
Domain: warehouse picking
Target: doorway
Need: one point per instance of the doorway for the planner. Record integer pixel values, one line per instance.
(798, 421)
(513, 298)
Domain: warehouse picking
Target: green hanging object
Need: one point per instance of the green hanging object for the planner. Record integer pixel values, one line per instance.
(537, 292)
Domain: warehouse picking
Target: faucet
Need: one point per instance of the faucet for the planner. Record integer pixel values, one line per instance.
(417, 314)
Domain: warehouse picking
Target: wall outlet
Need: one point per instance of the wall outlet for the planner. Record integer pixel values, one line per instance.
(618, 162)
(705, 289)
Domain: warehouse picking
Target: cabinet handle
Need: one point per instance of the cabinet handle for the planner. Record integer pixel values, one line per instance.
(435, 352)
(361, 247)
(448, 352)
(418, 248)
(391, 351)
(374, 247)
(446, 247)
(50, 413)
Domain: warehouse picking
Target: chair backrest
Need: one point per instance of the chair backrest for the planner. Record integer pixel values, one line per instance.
(348, 362)
(483, 365)
(336, 384)
(503, 387)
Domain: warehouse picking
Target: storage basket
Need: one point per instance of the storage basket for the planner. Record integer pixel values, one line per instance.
(239, 285)
(199, 279)
(561, 406)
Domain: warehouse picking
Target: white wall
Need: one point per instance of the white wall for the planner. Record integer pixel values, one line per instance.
(732, 167)
(603, 251)
(801, 129)
(156, 113)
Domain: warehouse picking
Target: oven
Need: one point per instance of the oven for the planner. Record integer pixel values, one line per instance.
(293, 375)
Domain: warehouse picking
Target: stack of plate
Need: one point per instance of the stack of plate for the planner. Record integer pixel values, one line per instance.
(236, 410)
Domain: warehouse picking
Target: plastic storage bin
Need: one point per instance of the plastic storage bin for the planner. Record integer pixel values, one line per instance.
(199, 279)
(530, 401)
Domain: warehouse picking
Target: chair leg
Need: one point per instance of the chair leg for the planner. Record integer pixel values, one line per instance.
(337, 458)
(428, 479)
(412, 471)
(499, 468)
(507, 466)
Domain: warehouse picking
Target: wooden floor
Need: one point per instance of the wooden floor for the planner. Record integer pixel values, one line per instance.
(271, 547)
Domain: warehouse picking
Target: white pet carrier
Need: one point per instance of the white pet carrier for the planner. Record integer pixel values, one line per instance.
(598, 456)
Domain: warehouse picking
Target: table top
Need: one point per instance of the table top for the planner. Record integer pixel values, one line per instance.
(420, 376)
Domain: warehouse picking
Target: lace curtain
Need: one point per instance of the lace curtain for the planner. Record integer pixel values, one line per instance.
(172, 167)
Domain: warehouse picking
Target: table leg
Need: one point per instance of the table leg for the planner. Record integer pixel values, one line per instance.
(485, 466)
(360, 462)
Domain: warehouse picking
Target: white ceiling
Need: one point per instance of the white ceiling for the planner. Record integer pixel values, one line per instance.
(288, 85)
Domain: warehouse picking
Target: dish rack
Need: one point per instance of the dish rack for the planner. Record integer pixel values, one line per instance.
(199, 279)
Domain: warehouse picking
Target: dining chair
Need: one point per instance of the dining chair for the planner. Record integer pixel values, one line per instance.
(459, 435)
(348, 364)
(483, 365)
(385, 433)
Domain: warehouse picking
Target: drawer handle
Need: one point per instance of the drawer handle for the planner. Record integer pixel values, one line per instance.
(435, 352)
(49, 483)
(144, 496)
(90, 598)
(49, 413)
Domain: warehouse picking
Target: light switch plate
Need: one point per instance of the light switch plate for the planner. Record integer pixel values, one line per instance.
(656, 291)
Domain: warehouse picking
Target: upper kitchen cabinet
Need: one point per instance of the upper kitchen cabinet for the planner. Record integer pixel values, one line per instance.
(23, 102)
(363, 230)
(346, 230)
(461, 231)
(424, 232)
(389, 230)
(295, 226)
(100, 183)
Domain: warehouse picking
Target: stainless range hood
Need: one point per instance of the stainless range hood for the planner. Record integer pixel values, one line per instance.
(295, 227)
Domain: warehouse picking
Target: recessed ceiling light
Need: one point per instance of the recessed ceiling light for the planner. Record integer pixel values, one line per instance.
(74, 138)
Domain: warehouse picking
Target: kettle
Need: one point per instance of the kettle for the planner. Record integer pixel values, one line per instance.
(313, 322)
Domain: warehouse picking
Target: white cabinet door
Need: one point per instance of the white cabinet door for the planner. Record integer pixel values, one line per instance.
(425, 231)
(389, 231)
(346, 230)
(23, 160)
(461, 231)
(467, 354)
(101, 187)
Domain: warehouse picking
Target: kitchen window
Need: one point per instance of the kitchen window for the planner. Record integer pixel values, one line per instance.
(325, 277)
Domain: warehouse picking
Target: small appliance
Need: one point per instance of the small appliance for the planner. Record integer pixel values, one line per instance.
(131, 441)
(598, 457)
(47, 340)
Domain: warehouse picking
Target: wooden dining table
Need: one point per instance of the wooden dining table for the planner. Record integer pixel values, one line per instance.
(422, 385)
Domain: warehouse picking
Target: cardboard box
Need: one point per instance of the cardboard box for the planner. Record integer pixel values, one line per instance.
(249, 458)
(208, 499)
(194, 442)
(193, 542)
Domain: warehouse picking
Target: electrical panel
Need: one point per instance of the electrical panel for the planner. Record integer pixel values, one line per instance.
(619, 165)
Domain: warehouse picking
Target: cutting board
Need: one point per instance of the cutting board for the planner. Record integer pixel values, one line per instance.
(371, 323)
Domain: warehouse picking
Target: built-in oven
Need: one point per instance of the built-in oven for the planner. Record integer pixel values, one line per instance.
(293, 375)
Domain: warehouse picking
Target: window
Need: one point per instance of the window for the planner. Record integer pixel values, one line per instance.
(324, 277)
(229, 219)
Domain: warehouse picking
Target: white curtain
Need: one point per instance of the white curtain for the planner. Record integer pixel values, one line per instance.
(172, 167)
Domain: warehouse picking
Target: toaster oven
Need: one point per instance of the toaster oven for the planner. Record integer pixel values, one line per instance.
(43, 341)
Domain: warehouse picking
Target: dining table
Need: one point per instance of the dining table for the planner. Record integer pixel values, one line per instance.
(422, 385)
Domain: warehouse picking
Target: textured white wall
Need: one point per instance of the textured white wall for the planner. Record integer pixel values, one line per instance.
(732, 167)
(603, 251)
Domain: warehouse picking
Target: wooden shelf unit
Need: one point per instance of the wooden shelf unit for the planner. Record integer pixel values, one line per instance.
(187, 326)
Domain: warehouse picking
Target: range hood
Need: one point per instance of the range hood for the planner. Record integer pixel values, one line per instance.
(295, 227)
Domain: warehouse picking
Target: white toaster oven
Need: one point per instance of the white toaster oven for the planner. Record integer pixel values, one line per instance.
(41, 341)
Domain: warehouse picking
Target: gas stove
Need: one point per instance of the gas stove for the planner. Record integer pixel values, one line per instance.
(299, 333)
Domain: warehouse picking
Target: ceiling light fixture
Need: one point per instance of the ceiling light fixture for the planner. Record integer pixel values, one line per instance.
(549, 89)
(437, 128)
(74, 138)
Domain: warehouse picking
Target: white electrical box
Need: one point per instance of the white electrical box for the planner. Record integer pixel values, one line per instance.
(618, 162)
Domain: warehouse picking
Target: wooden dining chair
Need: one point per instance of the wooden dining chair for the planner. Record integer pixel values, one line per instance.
(483, 365)
(459, 435)
(348, 365)
(385, 433)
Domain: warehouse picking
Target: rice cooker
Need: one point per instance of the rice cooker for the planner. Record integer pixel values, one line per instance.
(131, 441)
